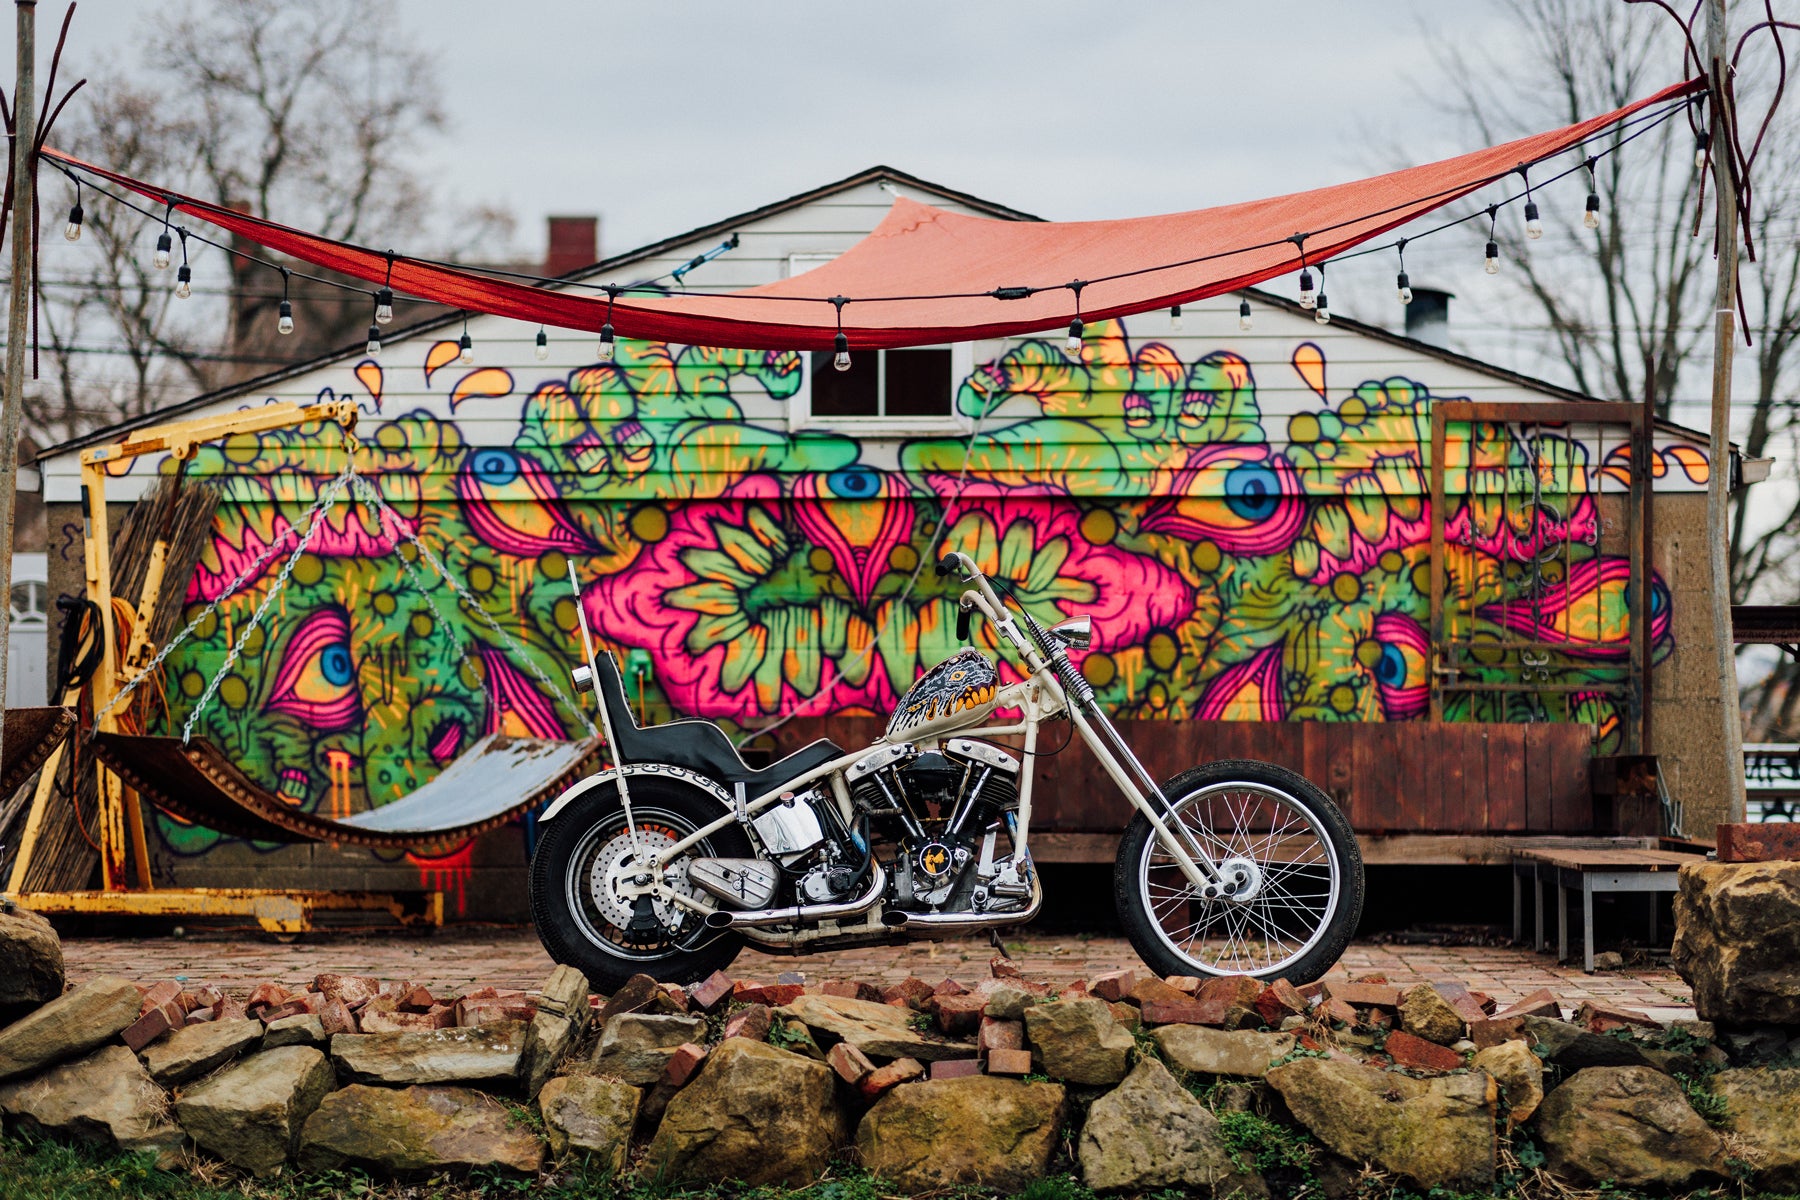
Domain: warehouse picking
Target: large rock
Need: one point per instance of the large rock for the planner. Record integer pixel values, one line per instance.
(635, 1047)
(978, 1131)
(414, 1131)
(484, 1054)
(1151, 1133)
(1203, 1051)
(31, 961)
(72, 1024)
(562, 1016)
(1425, 1013)
(1519, 1074)
(878, 1030)
(106, 1097)
(1574, 1049)
(1737, 940)
(589, 1114)
(754, 1113)
(194, 1050)
(251, 1113)
(1630, 1125)
(1763, 1108)
(1078, 1040)
(1436, 1132)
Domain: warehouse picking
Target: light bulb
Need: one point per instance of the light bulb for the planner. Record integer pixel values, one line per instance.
(467, 357)
(284, 323)
(1591, 218)
(1244, 315)
(1534, 228)
(1175, 319)
(1322, 314)
(1073, 342)
(1492, 263)
(72, 230)
(384, 306)
(163, 245)
(841, 359)
(184, 282)
(374, 346)
(542, 350)
(1700, 147)
(607, 347)
(1403, 286)
(1308, 296)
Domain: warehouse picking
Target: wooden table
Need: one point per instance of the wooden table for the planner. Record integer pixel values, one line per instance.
(1589, 870)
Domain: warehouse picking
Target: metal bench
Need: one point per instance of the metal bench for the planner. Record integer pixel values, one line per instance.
(1589, 870)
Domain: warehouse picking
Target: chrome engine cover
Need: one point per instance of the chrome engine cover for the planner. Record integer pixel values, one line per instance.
(739, 882)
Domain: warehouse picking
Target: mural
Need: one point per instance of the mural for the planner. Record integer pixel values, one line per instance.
(1238, 565)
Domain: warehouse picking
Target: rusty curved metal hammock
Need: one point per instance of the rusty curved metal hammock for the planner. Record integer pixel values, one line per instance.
(32, 736)
(495, 780)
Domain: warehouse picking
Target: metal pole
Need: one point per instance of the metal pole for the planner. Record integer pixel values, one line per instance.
(17, 334)
(1718, 486)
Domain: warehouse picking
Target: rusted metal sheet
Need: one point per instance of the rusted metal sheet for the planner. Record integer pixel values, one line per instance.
(499, 778)
(32, 736)
(1400, 777)
(275, 911)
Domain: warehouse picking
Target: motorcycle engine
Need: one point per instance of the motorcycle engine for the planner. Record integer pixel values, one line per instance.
(940, 811)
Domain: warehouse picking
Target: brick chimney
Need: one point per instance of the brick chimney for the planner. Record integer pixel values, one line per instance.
(574, 243)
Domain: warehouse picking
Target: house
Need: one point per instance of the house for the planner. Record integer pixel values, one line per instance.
(1246, 513)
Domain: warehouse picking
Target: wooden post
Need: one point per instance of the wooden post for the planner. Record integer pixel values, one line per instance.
(1718, 486)
(17, 330)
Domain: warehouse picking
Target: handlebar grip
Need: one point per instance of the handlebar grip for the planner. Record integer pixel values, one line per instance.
(949, 565)
(963, 619)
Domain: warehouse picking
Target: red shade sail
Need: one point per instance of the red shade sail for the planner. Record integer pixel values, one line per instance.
(926, 275)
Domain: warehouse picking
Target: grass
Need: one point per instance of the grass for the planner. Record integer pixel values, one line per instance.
(1254, 1141)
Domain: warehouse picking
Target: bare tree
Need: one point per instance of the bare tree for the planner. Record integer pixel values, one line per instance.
(1626, 310)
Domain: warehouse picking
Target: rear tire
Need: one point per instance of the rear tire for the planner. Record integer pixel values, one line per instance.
(1308, 892)
(584, 929)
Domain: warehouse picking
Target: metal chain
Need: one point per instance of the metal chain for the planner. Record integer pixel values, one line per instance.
(231, 589)
(473, 604)
(330, 493)
(383, 512)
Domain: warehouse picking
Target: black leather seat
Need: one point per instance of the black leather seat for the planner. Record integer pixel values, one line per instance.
(699, 746)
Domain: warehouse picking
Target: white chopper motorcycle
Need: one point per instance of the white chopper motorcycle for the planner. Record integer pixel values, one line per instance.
(668, 863)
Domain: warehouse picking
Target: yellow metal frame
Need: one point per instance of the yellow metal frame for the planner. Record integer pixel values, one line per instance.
(121, 813)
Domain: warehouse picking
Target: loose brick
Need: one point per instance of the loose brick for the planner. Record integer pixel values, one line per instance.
(1181, 1012)
(752, 1021)
(1314, 991)
(1462, 1000)
(1113, 985)
(960, 1014)
(671, 998)
(159, 993)
(372, 1020)
(682, 1064)
(206, 997)
(1002, 967)
(265, 995)
(955, 1068)
(710, 992)
(851, 1064)
(1487, 1002)
(293, 1008)
(1541, 1003)
(882, 1080)
(949, 987)
(418, 998)
(1773, 841)
(229, 1010)
(1189, 984)
(634, 995)
(199, 1016)
(1150, 989)
(1227, 990)
(772, 994)
(1366, 995)
(161, 1018)
(353, 990)
(996, 1034)
(840, 987)
(337, 1018)
(1073, 991)
(1602, 1018)
(1009, 1062)
(1494, 1030)
(910, 991)
(1420, 1055)
(1337, 1010)
(1280, 1000)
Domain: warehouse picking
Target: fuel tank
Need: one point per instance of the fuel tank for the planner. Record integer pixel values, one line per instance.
(956, 694)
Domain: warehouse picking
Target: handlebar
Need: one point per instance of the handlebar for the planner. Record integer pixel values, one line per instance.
(952, 564)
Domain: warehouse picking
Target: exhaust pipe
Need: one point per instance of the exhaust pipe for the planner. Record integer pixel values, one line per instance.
(721, 918)
(931, 925)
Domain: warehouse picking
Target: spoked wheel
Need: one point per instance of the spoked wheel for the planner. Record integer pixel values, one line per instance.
(582, 919)
(1291, 863)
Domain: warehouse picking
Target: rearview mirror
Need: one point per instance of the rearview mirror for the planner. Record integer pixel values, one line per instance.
(1076, 632)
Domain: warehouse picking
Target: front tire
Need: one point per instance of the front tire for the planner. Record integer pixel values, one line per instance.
(583, 926)
(1305, 894)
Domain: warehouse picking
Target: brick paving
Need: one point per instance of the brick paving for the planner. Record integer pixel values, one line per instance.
(458, 958)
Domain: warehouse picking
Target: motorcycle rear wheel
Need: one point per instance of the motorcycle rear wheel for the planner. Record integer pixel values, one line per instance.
(1298, 849)
(584, 928)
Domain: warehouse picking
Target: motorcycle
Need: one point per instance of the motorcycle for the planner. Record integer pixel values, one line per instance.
(672, 860)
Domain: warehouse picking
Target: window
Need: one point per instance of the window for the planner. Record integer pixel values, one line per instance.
(883, 383)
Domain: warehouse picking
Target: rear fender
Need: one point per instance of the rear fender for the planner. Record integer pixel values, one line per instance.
(633, 771)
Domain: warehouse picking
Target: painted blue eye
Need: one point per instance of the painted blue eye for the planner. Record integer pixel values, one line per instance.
(1390, 668)
(853, 483)
(335, 665)
(1252, 491)
(496, 468)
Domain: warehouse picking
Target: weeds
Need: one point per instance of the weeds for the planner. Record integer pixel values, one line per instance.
(1703, 1100)
(1254, 1141)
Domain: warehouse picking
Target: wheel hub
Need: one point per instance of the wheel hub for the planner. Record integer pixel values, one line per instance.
(619, 877)
(1240, 879)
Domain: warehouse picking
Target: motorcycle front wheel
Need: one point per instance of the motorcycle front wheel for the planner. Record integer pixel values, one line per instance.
(586, 926)
(1303, 890)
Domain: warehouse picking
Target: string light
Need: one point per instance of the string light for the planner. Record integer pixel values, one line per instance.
(607, 346)
(1591, 218)
(284, 319)
(1702, 144)
(1308, 295)
(1244, 316)
(184, 277)
(467, 344)
(384, 306)
(841, 358)
(163, 242)
(1322, 311)
(1072, 343)
(72, 230)
(1402, 285)
(1534, 227)
(1175, 319)
(542, 350)
(1491, 261)
(374, 345)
